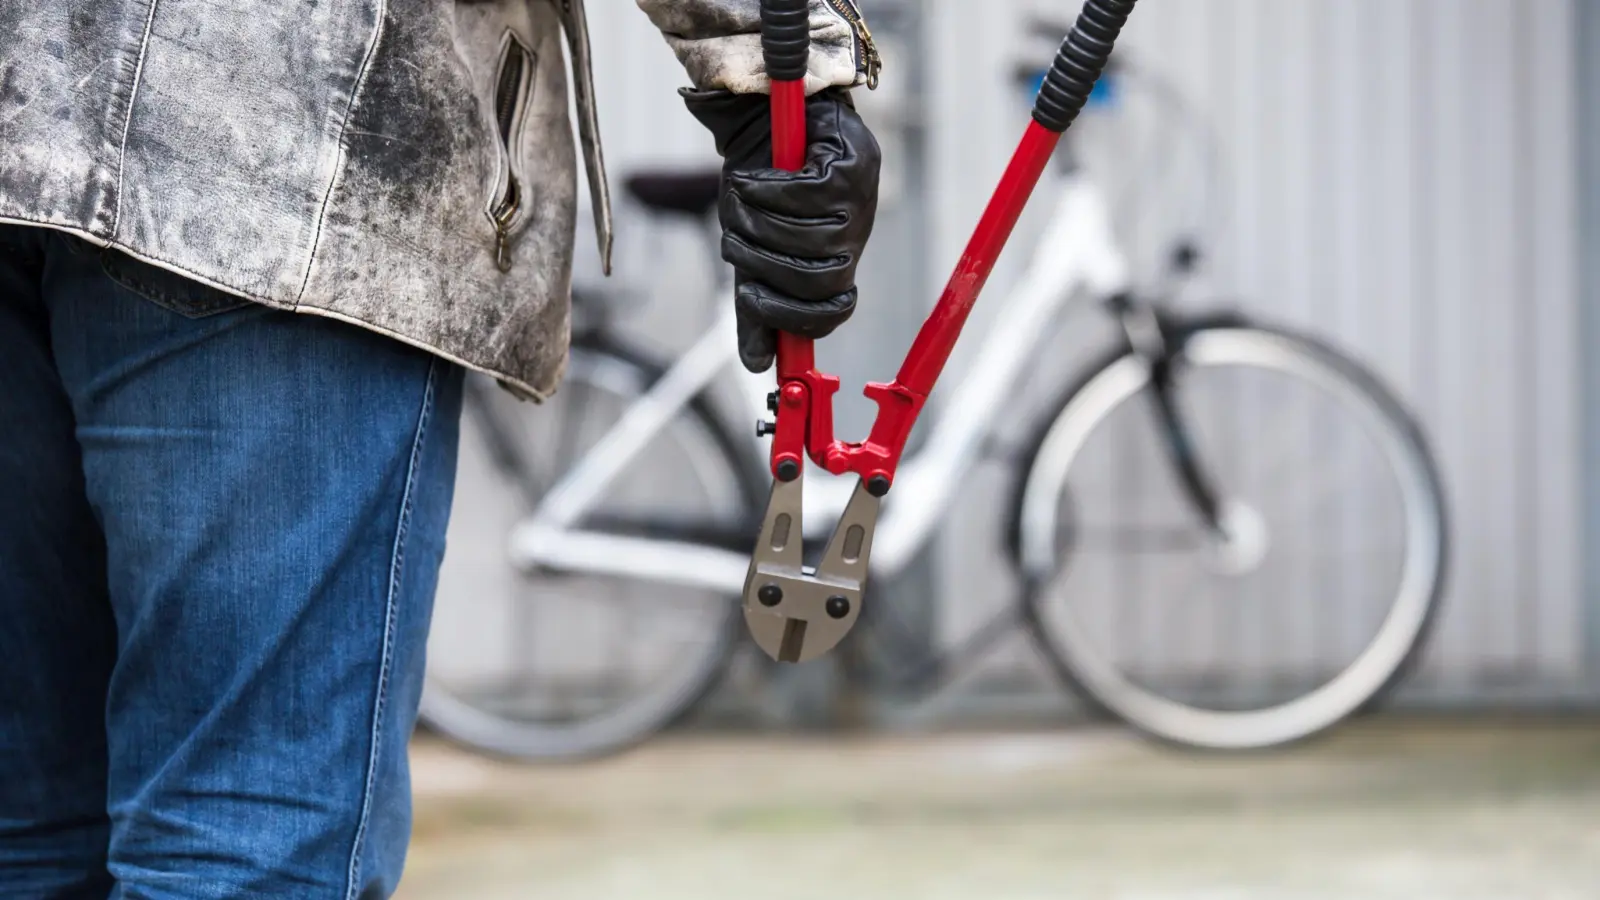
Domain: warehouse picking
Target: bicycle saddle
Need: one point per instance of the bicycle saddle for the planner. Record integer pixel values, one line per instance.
(692, 193)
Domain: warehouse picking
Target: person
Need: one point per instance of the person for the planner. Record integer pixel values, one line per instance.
(248, 252)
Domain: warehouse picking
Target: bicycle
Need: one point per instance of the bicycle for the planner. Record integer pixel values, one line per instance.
(683, 518)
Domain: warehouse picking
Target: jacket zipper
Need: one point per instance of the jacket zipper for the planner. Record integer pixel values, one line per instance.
(866, 51)
(508, 99)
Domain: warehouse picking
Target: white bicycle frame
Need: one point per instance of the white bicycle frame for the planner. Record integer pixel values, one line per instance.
(1076, 257)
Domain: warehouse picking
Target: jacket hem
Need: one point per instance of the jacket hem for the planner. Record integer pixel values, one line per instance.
(516, 386)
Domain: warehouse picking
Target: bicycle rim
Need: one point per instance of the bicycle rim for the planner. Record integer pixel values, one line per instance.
(1271, 678)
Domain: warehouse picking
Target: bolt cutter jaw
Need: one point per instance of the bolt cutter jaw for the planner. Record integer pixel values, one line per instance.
(797, 613)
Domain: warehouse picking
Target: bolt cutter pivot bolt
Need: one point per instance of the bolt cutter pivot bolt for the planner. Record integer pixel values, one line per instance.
(838, 607)
(770, 595)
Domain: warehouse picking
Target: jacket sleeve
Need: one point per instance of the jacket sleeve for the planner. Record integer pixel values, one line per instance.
(719, 43)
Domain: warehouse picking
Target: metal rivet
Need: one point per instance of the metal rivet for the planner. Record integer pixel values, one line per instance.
(770, 595)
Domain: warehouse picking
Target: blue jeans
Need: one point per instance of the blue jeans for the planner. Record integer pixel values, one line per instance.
(220, 534)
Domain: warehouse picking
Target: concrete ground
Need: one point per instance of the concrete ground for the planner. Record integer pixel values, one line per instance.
(1416, 810)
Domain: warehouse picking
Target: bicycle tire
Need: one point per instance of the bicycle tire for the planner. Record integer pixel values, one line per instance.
(1402, 636)
(461, 723)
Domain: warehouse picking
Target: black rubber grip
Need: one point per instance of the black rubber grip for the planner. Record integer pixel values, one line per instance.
(1083, 56)
(786, 38)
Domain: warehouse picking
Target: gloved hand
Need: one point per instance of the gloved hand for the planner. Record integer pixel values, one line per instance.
(794, 239)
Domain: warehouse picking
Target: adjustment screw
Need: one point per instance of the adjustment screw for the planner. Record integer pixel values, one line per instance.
(878, 485)
(788, 470)
(838, 607)
(770, 595)
(772, 401)
(764, 428)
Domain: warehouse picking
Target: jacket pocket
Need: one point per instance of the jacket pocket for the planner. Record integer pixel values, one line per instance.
(165, 288)
(513, 89)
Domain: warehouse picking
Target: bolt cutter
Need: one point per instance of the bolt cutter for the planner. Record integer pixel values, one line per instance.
(796, 612)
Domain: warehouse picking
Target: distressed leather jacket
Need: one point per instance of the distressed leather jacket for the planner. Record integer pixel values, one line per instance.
(404, 165)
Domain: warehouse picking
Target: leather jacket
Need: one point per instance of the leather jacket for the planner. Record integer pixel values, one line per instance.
(407, 166)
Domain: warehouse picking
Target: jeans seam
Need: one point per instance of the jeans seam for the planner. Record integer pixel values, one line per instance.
(391, 603)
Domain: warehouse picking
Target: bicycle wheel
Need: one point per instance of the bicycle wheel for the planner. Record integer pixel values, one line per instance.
(1315, 596)
(555, 666)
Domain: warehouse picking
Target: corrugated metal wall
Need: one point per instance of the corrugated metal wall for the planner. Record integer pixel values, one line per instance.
(1402, 179)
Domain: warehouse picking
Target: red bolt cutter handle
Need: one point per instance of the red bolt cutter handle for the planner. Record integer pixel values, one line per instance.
(786, 44)
(786, 48)
(805, 395)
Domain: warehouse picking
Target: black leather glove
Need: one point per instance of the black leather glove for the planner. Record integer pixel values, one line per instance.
(794, 239)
